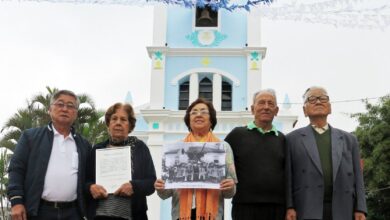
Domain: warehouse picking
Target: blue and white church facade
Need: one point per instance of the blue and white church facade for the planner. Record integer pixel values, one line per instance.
(199, 52)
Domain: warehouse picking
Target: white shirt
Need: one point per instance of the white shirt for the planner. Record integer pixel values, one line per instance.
(61, 175)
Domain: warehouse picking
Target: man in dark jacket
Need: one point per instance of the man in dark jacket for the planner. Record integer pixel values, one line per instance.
(47, 170)
(324, 177)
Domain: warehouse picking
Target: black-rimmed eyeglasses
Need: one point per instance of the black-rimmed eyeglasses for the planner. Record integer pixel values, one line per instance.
(62, 105)
(313, 99)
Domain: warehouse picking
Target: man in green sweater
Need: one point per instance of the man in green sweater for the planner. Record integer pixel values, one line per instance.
(324, 178)
(259, 157)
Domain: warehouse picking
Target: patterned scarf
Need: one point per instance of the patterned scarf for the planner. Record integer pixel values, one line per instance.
(206, 199)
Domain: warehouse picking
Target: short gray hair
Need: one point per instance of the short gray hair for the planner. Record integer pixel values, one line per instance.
(306, 94)
(265, 91)
(57, 94)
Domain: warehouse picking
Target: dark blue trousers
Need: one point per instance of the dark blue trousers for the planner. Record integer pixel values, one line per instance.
(52, 213)
(258, 211)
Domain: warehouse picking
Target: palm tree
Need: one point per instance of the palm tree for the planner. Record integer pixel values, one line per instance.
(4, 206)
(94, 129)
(90, 123)
(41, 105)
(14, 126)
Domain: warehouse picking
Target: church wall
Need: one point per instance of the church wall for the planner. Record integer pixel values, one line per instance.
(234, 26)
(178, 26)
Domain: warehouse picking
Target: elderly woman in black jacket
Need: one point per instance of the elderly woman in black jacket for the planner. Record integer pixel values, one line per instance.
(129, 200)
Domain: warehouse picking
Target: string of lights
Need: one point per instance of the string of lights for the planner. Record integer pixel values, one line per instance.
(213, 4)
(366, 14)
(338, 101)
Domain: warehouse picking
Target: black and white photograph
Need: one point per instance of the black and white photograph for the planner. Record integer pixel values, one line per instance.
(193, 165)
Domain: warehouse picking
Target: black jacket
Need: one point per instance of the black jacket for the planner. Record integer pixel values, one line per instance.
(28, 168)
(143, 178)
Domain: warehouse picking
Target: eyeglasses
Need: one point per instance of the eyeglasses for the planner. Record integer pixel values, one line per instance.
(313, 99)
(62, 105)
(201, 112)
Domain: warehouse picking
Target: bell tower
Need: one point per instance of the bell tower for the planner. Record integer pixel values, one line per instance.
(201, 52)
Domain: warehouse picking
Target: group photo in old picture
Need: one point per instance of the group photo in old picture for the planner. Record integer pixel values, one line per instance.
(193, 164)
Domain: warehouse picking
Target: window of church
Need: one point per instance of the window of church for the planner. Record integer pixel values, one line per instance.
(226, 104)
(206, 89)
(184, 95)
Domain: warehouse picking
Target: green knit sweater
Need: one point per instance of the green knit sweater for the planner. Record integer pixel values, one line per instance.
(324, 146)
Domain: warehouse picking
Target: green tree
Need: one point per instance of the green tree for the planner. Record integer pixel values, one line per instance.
(373, 134)
(90, 122)
(4, 206)
(21, 120)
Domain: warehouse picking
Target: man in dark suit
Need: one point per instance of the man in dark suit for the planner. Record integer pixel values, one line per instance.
(324, 177)
(47, 169)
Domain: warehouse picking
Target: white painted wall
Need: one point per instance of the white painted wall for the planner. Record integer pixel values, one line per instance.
(160, 25)
(254, 28)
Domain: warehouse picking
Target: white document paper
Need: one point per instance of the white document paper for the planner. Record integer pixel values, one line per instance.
(113, 167)
(194, 165)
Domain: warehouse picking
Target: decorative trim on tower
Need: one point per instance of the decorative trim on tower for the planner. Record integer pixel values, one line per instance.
(255, 60)
(158, 60)
(205, 61)
(207, 51)
(206, 38)
(157, 80)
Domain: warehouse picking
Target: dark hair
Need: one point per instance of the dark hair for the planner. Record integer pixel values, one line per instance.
(128, 109)
(57, 94)
(212, 112)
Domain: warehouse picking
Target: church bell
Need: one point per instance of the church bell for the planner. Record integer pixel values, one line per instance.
(205, 17)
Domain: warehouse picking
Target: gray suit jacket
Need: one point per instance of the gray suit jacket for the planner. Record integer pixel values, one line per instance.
(305, 184)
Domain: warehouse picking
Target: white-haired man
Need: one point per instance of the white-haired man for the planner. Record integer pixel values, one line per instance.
(259, 157)
(324, 178)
